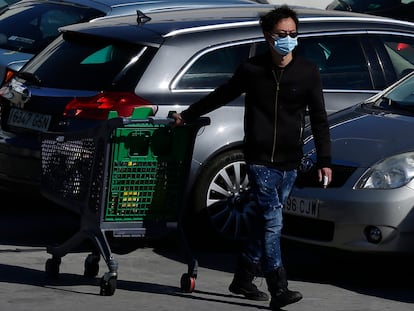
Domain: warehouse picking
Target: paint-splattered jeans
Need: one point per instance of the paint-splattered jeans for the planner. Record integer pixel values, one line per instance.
(271, 188)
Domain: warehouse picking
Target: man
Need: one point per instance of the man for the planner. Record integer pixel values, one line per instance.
(278, 87)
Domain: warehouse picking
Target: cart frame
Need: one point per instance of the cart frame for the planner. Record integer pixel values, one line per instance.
(80, 171)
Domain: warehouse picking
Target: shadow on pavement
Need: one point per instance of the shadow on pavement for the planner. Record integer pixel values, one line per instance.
(38, 224)
(384, 276)
(67, 282)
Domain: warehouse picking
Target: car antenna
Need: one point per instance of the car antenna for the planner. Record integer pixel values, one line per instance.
(142, 18)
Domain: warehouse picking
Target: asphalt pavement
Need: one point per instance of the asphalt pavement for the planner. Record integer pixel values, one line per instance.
(149, 273)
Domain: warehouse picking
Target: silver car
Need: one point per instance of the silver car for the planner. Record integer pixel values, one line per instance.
(171, 59)
(369, 207)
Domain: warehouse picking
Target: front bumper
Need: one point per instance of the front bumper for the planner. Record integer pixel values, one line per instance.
(346, 216)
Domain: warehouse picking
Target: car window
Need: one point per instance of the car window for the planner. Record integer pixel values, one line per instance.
(341, 61)
(378, 5)
(400, 97)
(118, 65)
(399, 9)
(30, 28)
(53, 19)
(403, 95)
(369, 6)
(213, 68)
(401, 52)
(5, 3)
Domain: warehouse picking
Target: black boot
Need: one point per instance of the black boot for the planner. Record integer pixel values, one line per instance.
(278, 287)
(242, 283)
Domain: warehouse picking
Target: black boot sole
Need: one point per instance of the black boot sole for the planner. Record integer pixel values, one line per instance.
(276, 306)
(257, 295)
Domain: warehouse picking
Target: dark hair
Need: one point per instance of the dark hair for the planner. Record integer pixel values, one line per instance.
(270, 19)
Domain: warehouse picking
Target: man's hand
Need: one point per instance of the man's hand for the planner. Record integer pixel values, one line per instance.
(179, 121)
(325, 176)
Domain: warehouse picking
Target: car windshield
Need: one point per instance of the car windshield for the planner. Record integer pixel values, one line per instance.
(30, 28)
(400, 97)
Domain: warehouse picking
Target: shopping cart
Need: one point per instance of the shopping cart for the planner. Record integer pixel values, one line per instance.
(125, 178)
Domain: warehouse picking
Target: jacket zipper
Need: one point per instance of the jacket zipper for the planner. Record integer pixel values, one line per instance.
(276, 104)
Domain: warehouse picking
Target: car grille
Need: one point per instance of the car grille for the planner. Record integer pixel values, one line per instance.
(308, 228)
(340, 175)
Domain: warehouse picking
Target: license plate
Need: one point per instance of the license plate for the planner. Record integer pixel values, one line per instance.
(29, 120)
(302, 207)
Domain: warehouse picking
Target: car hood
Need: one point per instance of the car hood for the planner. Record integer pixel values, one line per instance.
(362, 136)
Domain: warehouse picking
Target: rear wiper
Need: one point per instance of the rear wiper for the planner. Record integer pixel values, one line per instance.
(28, 76)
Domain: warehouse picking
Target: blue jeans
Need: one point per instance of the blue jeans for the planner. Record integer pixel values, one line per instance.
(270, 188)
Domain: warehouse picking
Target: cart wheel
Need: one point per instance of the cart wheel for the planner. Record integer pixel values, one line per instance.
(52, 267)
(187, 283)
(108, 286)
(91, 265)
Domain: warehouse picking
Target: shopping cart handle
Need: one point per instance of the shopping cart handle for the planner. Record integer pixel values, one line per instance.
(158, 120)
(202, 121)
(152, 120)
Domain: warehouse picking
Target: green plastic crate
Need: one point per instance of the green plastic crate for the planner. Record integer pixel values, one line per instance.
(148, 170)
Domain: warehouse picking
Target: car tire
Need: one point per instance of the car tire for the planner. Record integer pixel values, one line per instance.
(222, 199)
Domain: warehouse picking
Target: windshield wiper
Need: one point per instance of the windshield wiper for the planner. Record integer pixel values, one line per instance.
(388, 103)
(383, 103)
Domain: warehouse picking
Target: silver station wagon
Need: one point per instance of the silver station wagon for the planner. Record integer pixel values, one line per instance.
(171, 59)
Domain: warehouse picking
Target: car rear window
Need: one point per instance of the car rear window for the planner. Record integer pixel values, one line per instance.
(83, 63)
(30, 28)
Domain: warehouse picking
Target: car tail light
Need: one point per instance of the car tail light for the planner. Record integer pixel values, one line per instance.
(99, 106)
(402, 46)
(9, 75)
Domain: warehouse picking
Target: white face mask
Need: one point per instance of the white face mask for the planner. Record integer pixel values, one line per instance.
(285, 45)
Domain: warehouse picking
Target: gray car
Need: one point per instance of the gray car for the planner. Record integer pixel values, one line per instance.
(369, 205)
(29, 25)
(171, 59)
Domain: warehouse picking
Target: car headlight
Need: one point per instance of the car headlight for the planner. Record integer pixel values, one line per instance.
(390, 173)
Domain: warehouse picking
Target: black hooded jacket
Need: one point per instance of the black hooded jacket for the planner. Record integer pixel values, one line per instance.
(276, 100)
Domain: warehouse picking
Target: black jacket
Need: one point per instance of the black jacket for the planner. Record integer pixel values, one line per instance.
(274, 119)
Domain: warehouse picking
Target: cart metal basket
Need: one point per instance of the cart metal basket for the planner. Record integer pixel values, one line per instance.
(126, 178)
